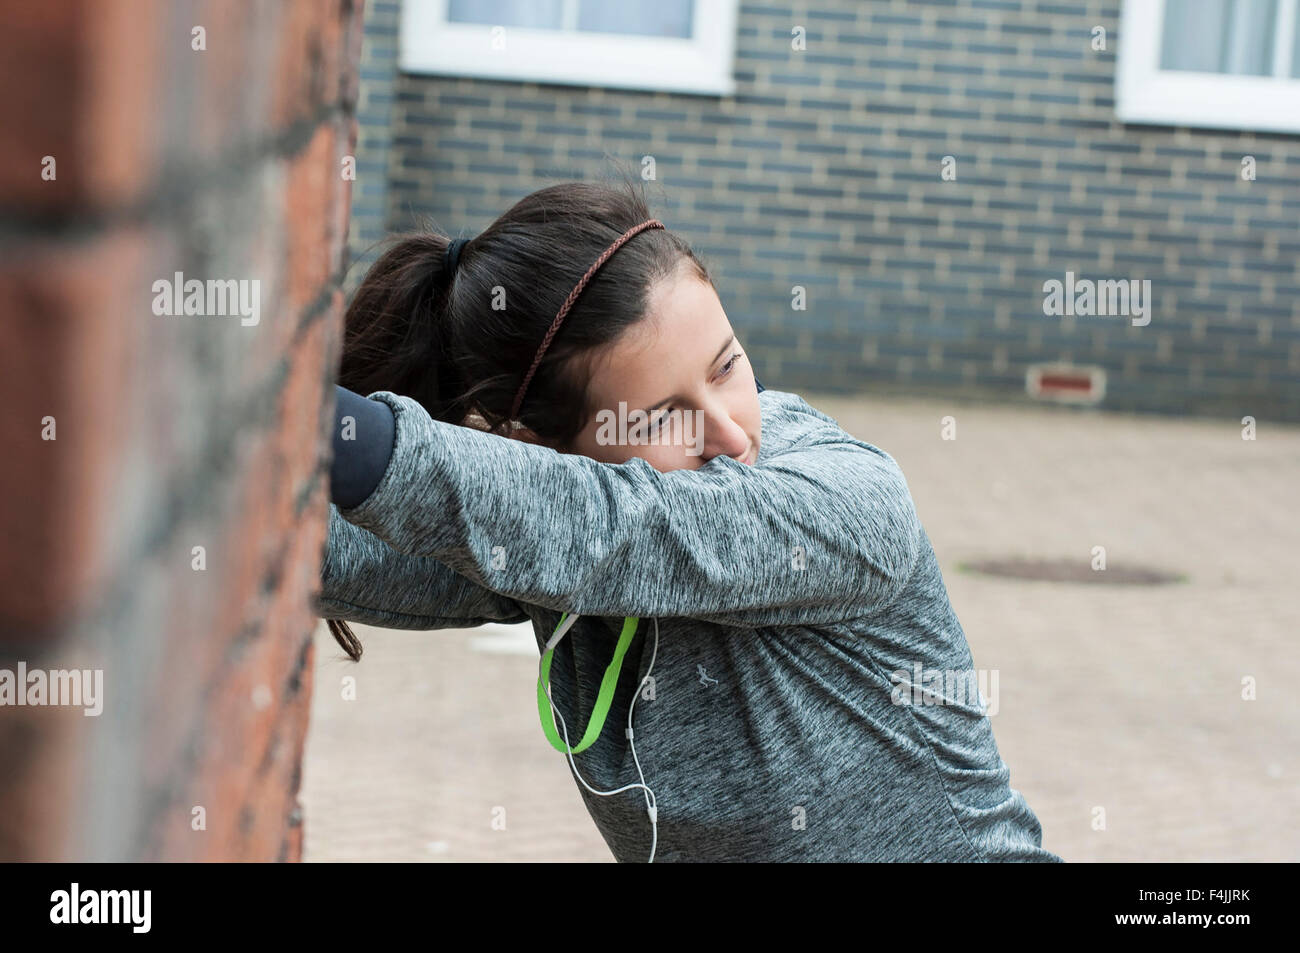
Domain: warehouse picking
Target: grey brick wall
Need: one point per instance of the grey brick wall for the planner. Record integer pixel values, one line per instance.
(823, 171)
(374, 138)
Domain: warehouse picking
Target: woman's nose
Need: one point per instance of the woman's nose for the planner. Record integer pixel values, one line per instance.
(723, 436)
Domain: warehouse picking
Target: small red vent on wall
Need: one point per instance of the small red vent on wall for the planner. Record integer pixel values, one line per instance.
(1069, 383)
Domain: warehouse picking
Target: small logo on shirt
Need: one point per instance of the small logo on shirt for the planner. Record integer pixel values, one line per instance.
(705, 680)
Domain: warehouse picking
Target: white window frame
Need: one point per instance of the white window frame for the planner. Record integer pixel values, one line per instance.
(1144, 93)
(702, 64)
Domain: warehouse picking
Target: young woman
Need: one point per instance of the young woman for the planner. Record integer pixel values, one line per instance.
(749, 601)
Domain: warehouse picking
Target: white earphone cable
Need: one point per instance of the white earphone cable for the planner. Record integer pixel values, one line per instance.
(652, 805)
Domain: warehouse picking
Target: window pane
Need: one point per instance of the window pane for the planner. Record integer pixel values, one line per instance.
(1219, 36)
(1248, 48)
(1295, 51)
(535, 14)
(642, 17)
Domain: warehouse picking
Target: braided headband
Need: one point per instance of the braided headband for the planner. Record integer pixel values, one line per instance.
(569, 302)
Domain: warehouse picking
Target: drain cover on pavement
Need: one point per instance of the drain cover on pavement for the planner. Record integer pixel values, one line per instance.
(1070, 570)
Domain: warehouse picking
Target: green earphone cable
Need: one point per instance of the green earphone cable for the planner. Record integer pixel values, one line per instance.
(603, 698)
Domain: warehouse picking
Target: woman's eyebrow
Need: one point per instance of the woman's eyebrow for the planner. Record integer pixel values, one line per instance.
(725, 344)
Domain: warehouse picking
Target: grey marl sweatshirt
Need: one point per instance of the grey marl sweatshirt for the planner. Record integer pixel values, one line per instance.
(793, 597)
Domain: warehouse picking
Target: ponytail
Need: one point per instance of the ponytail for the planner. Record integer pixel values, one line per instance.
(394, 340)
(395, 328)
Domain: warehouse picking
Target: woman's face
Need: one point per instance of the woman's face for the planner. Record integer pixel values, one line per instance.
(684, 367)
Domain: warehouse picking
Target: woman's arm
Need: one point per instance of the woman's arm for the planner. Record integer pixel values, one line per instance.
(365, 580)
(823, 530)
(362, 578)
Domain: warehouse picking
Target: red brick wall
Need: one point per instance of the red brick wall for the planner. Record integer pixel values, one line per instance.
(172, 431)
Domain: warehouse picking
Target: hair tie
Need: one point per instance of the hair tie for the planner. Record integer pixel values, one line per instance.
(451, 257)
(568, 304)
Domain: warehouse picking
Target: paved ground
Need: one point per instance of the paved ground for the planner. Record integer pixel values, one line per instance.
(1122, 700)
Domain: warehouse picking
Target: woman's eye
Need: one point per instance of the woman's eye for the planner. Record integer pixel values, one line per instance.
(659, 416)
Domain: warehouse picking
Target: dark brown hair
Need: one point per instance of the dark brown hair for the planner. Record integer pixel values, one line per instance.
(460, 345)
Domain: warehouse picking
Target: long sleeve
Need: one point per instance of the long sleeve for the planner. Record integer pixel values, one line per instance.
(363, 444)
(821, 530)
(365, 580)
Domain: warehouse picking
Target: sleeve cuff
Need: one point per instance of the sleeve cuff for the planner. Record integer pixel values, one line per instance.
(359, 462)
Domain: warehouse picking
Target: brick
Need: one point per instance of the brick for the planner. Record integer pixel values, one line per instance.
(89, 75)
(64, 357)
(313, 178)
(311, 43)
(44, 750)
